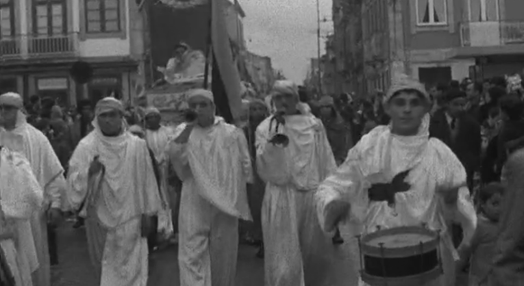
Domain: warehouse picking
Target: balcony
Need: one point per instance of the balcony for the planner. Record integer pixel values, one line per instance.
(488, 34)
(39, 46)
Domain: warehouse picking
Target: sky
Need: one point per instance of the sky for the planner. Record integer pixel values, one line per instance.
(286, 31)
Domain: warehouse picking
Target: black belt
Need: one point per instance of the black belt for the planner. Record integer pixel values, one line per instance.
(386, 192)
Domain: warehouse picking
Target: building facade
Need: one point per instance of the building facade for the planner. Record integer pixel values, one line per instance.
(436, 40)
(41, 39)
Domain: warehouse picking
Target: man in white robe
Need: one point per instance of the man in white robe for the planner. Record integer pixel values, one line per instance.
(436, 191)
(20, 197)
(17, 135)
(157, 138)
(297, 252)
(111, 180)
(211, 158)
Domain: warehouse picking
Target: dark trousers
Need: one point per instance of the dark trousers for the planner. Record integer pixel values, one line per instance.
(51, 241)
(152, 239)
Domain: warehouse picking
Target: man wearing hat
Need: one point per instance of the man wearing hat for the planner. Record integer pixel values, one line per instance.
(293, 157)
(17, 135)
(211, 157)
(459, 131)
(432, 186)
(112, 182)
(185, 63)
(157, 137)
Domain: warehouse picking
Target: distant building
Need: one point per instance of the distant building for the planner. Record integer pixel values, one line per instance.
(259, 71)
(433, 40)
(40, 39)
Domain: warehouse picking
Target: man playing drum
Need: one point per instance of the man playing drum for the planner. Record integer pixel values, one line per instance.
(398, 177)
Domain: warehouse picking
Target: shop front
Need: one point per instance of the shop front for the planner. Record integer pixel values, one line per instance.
(103, 86)
(56, 88)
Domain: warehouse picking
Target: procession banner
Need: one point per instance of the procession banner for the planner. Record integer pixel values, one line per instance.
(171, 101)
(180, 54)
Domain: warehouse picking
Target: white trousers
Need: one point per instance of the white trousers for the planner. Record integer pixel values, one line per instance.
(208, 242)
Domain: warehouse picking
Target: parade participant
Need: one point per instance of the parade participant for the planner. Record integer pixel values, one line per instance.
(433, 188)
(211, 158)
(17, 135)
(258, 111)
(185, 63)
(157, 137)
(337, 129)
(112, 182)
(293, 158)
(20, 197)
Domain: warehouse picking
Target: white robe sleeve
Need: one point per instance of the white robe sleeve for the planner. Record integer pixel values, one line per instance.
(151, 202)
(55, 189)
(272, 162)
(177, 154)
(245, 156)
(327, 159)
(78, 176)
(345, 186)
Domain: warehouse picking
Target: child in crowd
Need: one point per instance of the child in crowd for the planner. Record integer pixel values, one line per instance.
(480, 250)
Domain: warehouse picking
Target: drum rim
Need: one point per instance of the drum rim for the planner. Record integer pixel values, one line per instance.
(417, 279)
(399, 252)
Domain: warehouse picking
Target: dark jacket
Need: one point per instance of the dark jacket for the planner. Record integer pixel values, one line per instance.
(468, 143)
(510, 131)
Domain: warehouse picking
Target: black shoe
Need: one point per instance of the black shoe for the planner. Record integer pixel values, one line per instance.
(337, 239)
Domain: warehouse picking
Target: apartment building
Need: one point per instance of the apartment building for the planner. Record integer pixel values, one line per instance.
(435, 40)
(41, 39)
(349, 48)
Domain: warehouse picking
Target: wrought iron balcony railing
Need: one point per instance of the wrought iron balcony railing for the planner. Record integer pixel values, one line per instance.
(39, 46)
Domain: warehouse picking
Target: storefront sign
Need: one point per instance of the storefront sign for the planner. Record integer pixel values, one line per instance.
(52, 84)
(105, 81)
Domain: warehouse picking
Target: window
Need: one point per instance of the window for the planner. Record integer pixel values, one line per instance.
(7, 25)
(102, 16)
(431, 12)
(483, 10)
(49, 17)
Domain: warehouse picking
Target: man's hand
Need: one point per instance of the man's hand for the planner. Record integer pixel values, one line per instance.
(184, 136)
(54, 215)
(336, 212)
(95, 166)
(279, 117)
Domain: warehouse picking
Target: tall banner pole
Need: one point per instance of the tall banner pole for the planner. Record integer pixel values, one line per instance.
(209, 44)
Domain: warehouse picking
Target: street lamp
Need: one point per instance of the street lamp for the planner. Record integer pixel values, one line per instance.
(318, 49)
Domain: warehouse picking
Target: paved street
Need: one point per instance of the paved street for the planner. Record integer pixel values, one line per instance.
(76, 270)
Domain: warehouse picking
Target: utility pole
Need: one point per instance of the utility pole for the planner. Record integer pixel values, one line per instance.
(318, 50)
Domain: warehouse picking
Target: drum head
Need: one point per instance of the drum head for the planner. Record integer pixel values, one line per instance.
(399, 242)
